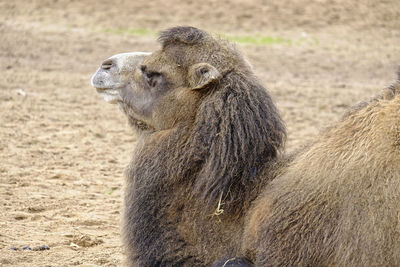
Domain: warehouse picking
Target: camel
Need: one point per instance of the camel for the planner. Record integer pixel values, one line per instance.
(209, 182)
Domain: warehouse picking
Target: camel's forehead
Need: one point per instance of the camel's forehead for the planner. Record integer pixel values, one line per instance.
(163, 61)
(129, 60)
(123, 56)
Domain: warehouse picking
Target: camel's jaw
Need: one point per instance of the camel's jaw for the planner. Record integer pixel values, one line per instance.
(110, 95)
(105, 87)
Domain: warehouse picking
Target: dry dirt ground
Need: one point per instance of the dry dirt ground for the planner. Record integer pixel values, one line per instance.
(63, 149)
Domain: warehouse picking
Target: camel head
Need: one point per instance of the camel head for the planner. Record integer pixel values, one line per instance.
(161, 89)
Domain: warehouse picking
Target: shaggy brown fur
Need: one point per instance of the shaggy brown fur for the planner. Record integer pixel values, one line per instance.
(207, 182)
(210, 132)
(337, 204)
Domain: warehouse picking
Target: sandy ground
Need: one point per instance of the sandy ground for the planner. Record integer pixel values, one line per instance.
(63, 150)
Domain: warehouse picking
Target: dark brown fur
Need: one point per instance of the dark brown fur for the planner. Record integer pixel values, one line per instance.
(213, 152)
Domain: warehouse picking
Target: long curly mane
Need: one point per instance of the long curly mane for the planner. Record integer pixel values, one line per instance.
(237, 134)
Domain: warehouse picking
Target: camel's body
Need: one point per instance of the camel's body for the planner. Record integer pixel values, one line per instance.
(338, 202)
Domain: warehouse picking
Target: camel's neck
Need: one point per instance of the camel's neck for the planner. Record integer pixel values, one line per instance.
(180, 158)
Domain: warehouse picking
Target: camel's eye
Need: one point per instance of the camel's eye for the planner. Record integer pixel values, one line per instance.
(152, 78)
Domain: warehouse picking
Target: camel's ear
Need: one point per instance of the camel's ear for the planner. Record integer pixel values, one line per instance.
(201, 75)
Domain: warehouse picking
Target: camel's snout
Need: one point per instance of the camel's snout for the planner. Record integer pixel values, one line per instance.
(110, 73)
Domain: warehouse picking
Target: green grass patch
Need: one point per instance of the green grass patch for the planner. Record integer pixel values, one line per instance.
(137, 32)
(257, 40)
(112, 190)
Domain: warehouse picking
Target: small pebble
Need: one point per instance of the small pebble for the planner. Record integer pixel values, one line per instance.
(27, 248)
(14, 248)
(21, 91)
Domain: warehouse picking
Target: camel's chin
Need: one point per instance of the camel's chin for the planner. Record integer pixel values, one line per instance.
(111, 96)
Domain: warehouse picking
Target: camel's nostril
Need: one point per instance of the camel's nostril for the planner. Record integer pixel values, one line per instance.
(107, 64)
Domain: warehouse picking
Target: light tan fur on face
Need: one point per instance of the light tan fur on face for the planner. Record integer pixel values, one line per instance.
(110, 83)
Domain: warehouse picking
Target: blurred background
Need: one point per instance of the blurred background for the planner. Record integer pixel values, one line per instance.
(63, 150)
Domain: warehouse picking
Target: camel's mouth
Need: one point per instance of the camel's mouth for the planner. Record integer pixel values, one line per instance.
(110, 95)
